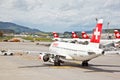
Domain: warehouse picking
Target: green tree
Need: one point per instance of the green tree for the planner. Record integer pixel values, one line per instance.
(1, 33)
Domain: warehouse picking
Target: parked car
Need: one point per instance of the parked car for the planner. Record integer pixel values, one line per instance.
(5, 53)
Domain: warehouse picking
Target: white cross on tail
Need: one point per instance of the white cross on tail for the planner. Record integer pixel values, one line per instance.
(118, 34)
(96, 33)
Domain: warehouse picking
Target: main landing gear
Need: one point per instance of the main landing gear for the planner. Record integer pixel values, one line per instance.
(57, 61)
(85, 63)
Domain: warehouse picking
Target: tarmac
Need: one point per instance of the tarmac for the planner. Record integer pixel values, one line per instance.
(29, 67)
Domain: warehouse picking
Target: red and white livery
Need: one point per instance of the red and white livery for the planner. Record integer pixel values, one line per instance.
(84, 35)
(74, 35)
(117, 34)
(62, 51)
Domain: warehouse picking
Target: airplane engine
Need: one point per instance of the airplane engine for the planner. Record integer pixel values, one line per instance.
(44, 57)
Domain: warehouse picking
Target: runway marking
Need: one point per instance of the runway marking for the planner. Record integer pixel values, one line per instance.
(61, 67)
(72, 66)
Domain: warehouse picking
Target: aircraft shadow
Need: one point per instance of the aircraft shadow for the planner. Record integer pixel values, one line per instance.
(35, 66)
(103, 68)
(90, 68)
(99, 68)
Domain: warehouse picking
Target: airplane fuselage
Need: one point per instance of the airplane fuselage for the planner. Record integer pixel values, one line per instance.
(74, 51)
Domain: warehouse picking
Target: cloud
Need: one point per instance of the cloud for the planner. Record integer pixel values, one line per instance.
(60, 15)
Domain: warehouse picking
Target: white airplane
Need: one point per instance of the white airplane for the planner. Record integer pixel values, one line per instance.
(85, 35)
(74, 38)
(74, 35)
(117, 36)
(57, 38)
(63, 51)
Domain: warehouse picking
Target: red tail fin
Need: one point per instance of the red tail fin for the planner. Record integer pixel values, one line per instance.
(117, 34)
(55, 35)
(84, 35)
(74, 35)
(97, 32)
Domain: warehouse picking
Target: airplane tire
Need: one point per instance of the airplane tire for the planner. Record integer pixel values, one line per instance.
(5, 54)
(57, 61)
(11, 54)
(85, 63)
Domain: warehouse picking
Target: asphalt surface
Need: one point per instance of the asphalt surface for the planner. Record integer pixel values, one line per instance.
(29, 67)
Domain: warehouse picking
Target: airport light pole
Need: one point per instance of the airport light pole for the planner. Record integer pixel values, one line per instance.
(96, 19)
(108, 30)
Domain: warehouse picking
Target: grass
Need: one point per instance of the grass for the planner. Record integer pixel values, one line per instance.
(32, 39)
(5, 38)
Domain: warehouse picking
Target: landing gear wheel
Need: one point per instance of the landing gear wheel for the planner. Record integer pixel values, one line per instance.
(5, 54)
(11, 54)
(85, 63)
(57, 61)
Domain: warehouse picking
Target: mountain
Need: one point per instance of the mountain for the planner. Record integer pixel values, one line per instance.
(16, 28)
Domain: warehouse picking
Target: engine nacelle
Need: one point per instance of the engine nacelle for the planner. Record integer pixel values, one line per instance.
(44, 57)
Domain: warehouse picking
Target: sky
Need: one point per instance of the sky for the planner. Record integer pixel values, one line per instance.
(60, 15)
